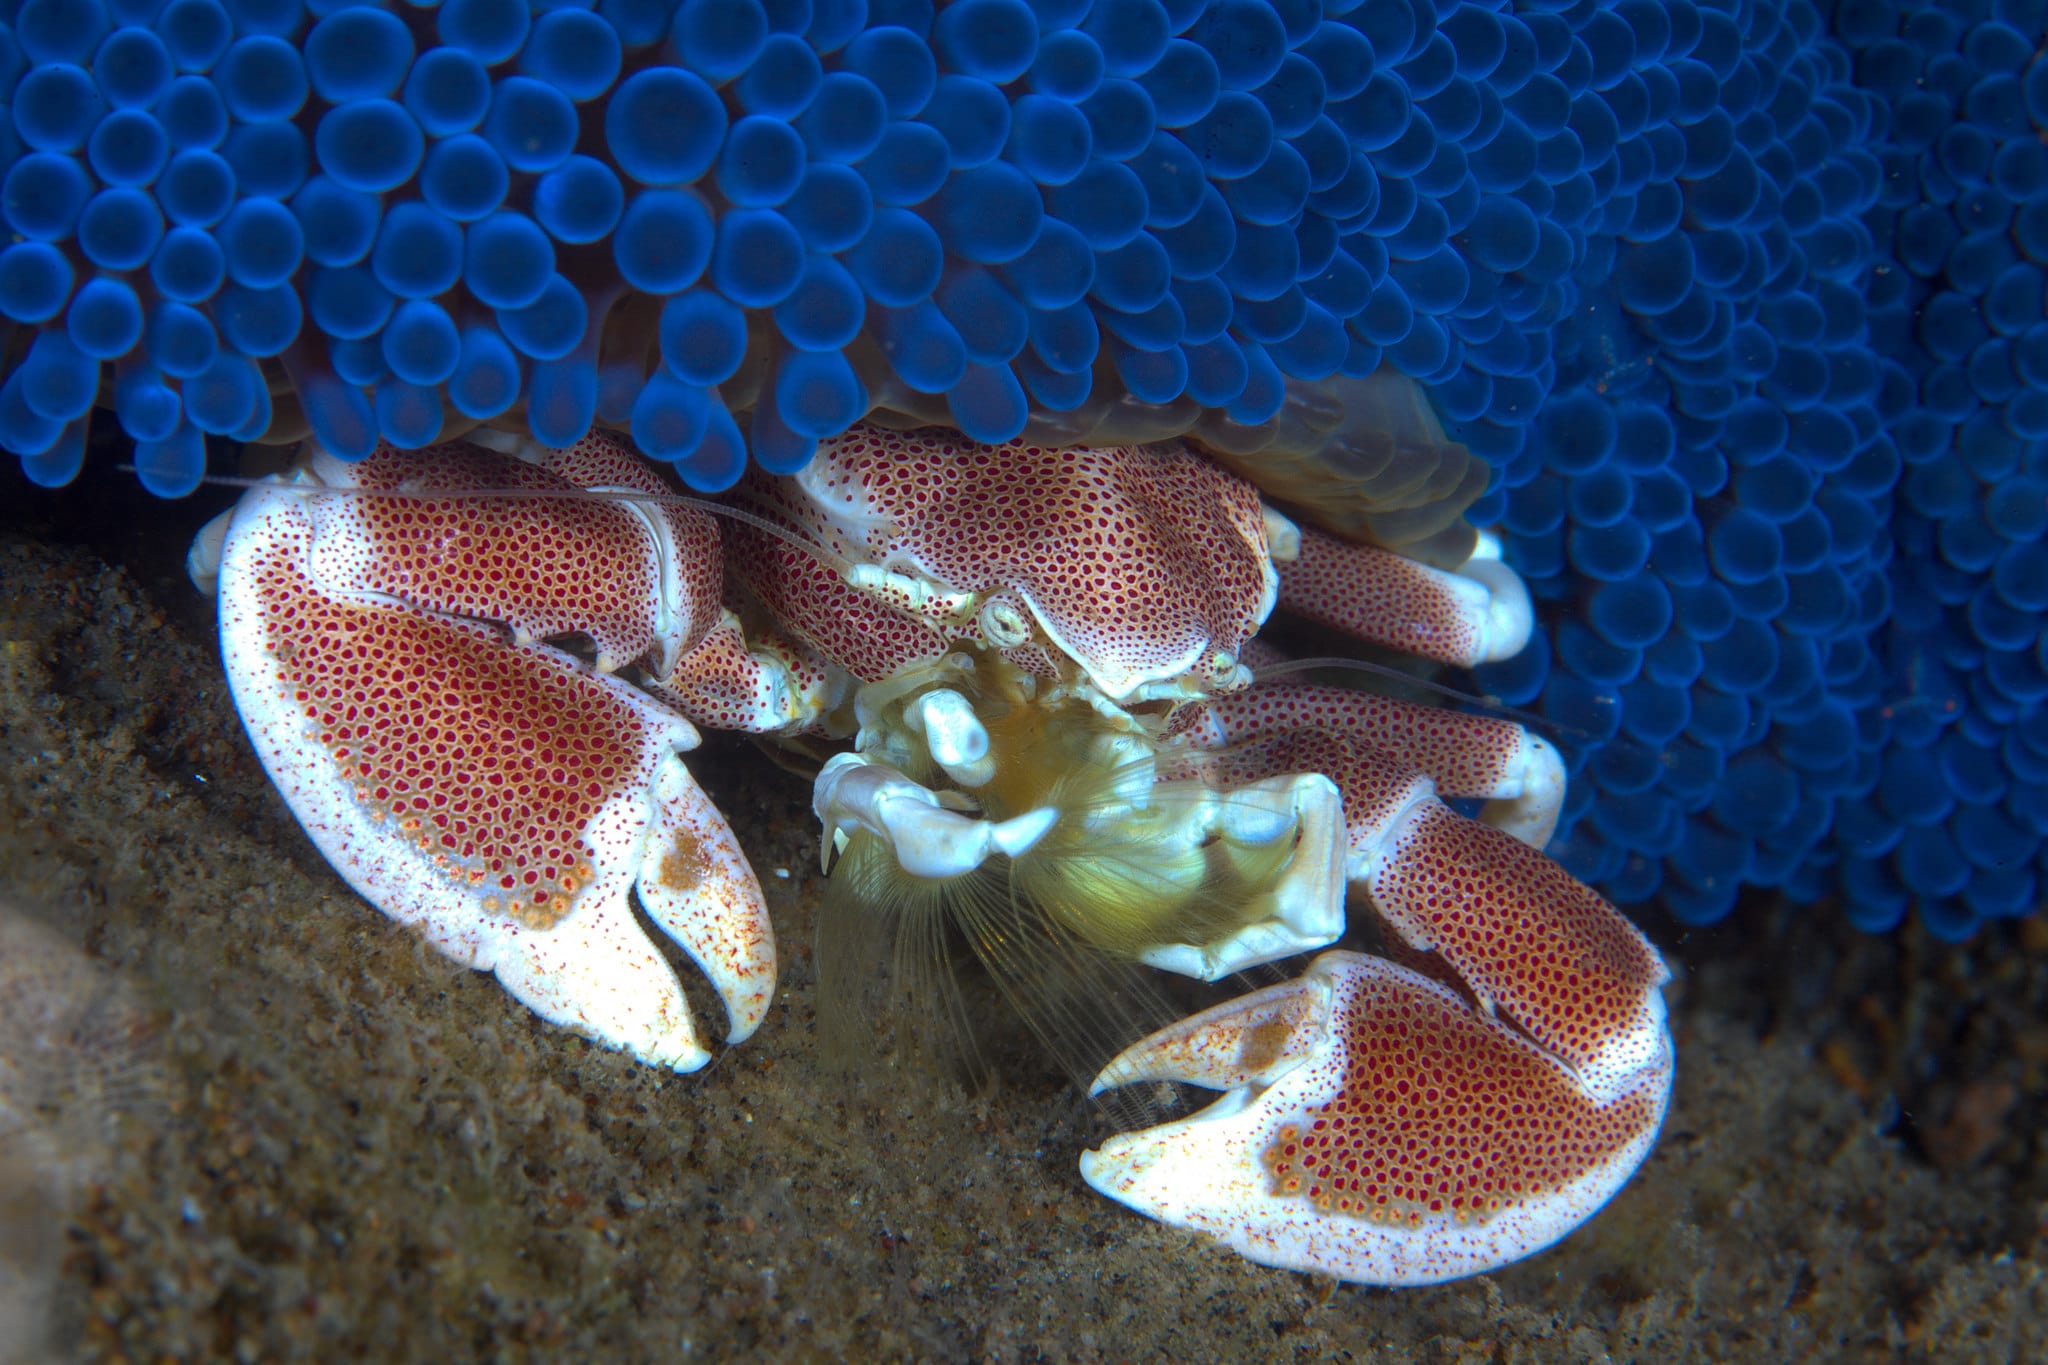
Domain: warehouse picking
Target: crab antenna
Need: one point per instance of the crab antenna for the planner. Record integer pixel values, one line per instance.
(1491, 705)
(831, 559)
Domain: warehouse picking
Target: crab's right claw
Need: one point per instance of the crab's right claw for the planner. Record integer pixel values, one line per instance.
(504, 798)
(1375, 1127)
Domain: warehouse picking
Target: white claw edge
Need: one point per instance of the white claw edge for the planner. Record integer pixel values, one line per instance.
(1532, 796)
(1283, 537)
(202, 561)
(1505, 617)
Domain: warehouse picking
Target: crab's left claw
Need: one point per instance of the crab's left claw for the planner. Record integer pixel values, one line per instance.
(1377, 1127)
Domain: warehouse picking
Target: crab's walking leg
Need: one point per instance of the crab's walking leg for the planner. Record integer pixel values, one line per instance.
(1478, 614)
(1520, 776)
(501, 796)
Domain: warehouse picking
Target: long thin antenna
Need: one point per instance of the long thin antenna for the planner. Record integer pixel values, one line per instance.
(1492, 705)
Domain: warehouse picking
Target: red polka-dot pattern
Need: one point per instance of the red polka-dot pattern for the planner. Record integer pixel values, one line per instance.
(600, 461)
(868, 637)
(526, 780)
(1136, 562)
(1375, 786)
(491, 758)
(1376, 595)
(547, 566)
(1507, 921)
(1257, 654)
(1465, 755)
(1441, 1115)
(1569, 967)
(723, 683)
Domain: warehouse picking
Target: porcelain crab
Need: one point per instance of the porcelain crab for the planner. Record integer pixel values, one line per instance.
(471, 674)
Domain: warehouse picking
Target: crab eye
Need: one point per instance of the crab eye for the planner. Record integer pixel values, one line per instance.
(1002, 625)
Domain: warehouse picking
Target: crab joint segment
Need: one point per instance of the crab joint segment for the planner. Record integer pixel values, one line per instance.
(1519, 776)
(1526, 936)
(1479, 614)
(1374, 1127)
(927, 839)
(1531, 795)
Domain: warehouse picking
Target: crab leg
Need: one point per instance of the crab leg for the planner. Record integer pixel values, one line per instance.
(764, 686)
(500, 796)
(1488, 904)
(1519, 775)
(1388, 1127)
(1478, 614)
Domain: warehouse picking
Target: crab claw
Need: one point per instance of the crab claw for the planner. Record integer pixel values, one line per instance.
(497, 794)
(1376, 1127)
(928, 839)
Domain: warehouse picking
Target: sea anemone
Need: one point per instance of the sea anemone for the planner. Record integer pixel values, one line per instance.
(1731, 314)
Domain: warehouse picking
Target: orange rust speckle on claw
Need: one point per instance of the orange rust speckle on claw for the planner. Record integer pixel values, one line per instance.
(686, 866)
(1441, 1114)
(494, 779)
(1266, 1043)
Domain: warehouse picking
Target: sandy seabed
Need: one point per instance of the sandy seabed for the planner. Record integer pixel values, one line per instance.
(244, 1117)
